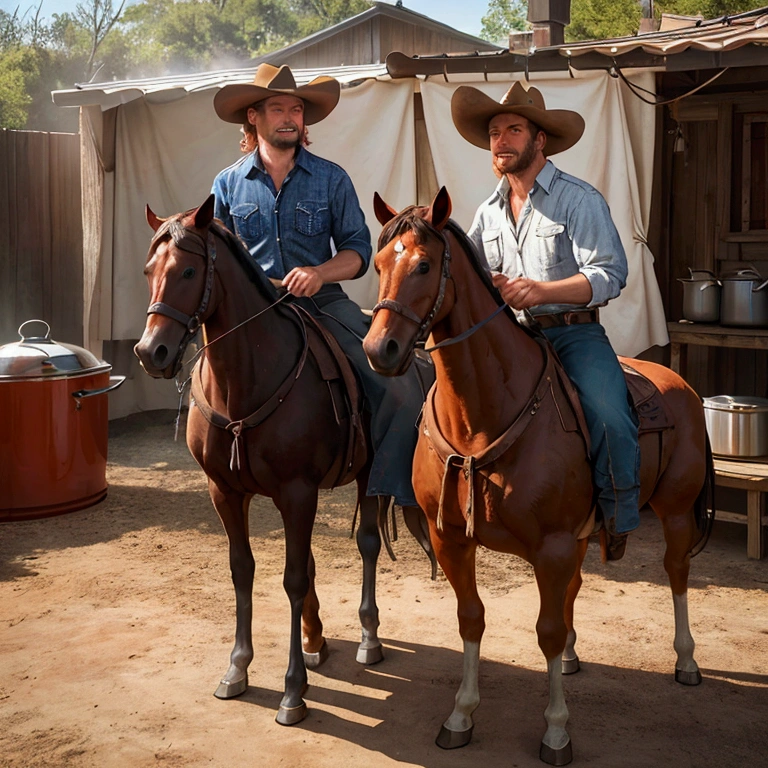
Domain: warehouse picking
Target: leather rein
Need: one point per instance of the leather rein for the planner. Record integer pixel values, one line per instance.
(424, 325)
(190, 241)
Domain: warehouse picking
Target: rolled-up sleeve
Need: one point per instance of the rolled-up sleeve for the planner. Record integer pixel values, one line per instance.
(349, 230)
(597, 247)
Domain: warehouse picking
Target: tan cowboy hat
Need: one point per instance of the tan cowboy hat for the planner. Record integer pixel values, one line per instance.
(472, 110)
(320, 95)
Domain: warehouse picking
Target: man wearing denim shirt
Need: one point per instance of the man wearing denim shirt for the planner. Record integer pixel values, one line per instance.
(553, 250)
(300, 219)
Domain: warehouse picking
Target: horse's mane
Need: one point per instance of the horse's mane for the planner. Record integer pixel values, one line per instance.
(412, 219)
(243, 257)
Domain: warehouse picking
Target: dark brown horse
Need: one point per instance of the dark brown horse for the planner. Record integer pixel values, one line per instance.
(269, 417)
(501, 459)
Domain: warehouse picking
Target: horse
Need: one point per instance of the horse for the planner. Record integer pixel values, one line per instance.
(502, 457)
(268, 417)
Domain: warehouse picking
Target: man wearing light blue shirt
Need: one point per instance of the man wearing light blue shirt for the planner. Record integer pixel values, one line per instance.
(553, 251)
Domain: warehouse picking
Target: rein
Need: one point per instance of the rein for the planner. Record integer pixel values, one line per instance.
(424, 325)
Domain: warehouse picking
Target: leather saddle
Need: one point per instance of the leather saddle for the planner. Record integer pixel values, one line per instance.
(648, 402)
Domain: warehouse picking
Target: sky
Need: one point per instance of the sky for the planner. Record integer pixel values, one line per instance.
(464, 15)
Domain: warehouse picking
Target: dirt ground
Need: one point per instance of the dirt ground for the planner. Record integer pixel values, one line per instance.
(116, 623)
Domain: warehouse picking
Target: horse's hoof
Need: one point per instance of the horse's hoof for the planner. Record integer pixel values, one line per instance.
(688, 678)
(227, 690)
(561, 756)
(453, 739)
(314, 660)
(370, 655)
(291, 715)
(570, 666)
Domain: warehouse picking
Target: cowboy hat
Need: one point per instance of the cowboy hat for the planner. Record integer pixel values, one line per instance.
(320, 95)
(472, 110)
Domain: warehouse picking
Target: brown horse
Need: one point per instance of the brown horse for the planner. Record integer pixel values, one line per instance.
(501, 415)
(267, 418)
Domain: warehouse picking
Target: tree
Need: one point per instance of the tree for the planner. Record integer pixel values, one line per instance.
(98, 18)
(603, 19)
(503, 17)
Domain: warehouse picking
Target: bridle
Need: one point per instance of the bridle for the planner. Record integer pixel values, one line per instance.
(406, 312)
(425, 324)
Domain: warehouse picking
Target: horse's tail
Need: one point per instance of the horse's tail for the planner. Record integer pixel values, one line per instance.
(704, 506)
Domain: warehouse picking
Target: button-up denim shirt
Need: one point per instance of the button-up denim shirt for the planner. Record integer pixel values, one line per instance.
(564, 228)
(292, 227)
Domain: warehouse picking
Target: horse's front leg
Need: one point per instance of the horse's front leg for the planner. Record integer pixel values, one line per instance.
(298, 507)
(232, 508)
(570, 662)
(457, 559)
(315, 647)
(554, 566)
(369, 545)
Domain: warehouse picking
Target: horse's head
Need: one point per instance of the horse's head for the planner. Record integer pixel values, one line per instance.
(414, 290)
(180, 272)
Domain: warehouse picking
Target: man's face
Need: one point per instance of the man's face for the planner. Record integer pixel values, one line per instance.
(279, 121)
(515, 143)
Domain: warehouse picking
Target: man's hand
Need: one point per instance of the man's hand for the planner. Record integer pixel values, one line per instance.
(303, 281)
(518, 292)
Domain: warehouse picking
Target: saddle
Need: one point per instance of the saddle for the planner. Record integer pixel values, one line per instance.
(647, 400)
(335, 370)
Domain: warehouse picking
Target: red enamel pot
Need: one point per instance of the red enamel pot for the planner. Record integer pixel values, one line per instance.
(53, 426)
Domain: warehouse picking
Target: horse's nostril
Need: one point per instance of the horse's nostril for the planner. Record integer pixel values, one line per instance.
(159, 356)
(392, 350)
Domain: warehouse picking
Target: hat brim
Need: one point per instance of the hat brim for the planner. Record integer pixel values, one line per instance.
(320, 97)
(472, 110)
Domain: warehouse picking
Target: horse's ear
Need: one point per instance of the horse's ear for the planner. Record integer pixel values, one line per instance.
(204, 214)
(440, 210)
(384, 213)
(154, 221)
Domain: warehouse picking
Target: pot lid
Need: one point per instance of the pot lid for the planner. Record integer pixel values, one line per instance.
(36, 357)
(741, 404)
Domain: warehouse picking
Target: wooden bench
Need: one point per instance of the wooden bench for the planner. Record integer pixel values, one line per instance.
(752, 477)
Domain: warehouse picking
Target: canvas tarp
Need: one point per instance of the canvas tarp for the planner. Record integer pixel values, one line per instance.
(166, 153)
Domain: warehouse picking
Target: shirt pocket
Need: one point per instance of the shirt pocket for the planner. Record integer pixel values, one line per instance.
(312, 218)
(492, 248)
(247, 221)
(550, 244)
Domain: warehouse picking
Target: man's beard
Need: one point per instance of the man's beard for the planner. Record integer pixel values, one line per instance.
(283, 141)
(519, 164)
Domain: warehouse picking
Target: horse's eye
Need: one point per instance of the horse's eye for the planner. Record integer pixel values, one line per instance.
(188, 273)
(422, 267)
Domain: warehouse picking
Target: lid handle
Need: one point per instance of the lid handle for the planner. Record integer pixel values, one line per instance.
(47, 336)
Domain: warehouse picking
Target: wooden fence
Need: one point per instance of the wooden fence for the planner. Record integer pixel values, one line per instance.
(41, 234)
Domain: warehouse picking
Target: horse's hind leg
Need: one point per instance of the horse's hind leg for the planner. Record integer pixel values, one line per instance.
(314, 645)
(570, 662)
(369, 544)
(679, 535)
(233, 510)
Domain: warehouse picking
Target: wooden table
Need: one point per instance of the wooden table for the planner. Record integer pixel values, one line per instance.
(750, 475)
(683, 334)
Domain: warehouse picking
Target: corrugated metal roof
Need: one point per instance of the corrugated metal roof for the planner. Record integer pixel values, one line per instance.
(724, 34)
(172, 87)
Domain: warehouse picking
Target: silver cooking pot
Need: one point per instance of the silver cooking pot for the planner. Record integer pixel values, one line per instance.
(701, 296)
(737, 426)
(745, 299)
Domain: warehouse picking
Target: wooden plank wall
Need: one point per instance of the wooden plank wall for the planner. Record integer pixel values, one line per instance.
(41, 241)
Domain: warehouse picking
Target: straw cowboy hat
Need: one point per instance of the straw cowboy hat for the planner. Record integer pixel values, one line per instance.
(320, 95)
(472, 110)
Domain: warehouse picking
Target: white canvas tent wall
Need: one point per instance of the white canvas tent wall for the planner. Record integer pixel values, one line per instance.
(159, 142)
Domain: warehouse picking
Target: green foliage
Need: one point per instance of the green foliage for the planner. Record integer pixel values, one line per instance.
(14, 77)
(503, 17)
(707, 9)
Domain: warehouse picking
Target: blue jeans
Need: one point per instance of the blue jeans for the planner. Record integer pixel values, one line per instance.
(591, 364)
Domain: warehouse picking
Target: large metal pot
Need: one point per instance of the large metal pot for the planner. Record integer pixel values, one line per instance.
(701, 296)
(737, 426)
(53, 428)
(745, 299)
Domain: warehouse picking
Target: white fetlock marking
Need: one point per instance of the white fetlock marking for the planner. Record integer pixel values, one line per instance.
(468, 695)
(556, 713)
(570, 646)
(684, 644)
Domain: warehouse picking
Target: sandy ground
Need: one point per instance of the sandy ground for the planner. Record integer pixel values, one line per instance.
(116, 623)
